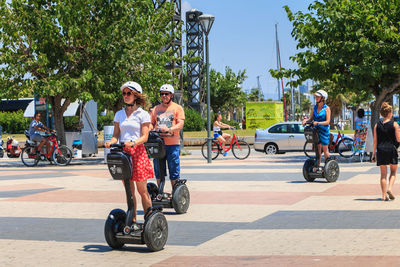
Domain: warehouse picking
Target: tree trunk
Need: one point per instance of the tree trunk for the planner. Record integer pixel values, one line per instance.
(376, 107)
(58, 114)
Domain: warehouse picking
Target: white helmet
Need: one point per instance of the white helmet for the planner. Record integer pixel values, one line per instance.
(134, 86)
(168, 88)
(322, 93)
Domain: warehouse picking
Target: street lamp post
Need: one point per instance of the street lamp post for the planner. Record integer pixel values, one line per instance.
(206, 22)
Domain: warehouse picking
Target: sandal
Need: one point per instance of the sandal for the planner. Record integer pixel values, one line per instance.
(391, 196)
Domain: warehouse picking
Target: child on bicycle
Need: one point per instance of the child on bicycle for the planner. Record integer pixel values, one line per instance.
(321, 117)
(218, 134)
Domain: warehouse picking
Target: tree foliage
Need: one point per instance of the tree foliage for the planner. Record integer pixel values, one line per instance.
(225, 90)
(255, 95)
(82, 49)
(353, 44)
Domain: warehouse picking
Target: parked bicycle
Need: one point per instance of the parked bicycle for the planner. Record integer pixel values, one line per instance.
(240, 148)
(342, 145)
(30, 156)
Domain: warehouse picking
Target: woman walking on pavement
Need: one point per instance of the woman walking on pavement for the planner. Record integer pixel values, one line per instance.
(386, 140)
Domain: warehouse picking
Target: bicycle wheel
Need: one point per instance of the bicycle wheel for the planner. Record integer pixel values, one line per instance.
(62, 156)
(346, 148)
(241, 149)
(29, 158)
(214, 149)
(308, 149)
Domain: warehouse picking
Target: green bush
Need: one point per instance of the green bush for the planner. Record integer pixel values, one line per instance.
(71, 123)
(14, 122)
(193, 120)
(102, 121)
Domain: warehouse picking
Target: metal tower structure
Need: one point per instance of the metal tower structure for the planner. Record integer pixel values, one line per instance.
(194, 47)
(176, 45)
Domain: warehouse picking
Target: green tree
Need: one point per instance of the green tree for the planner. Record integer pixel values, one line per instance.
(225, 90)
(82, 50)
(353, 44)
(306, 106)
(254, 95)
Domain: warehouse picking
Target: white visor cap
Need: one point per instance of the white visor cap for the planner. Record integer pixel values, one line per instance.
(134, 86)
(322, 93)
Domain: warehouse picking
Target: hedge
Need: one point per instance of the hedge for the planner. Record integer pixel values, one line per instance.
(14, 122)
(193, 121)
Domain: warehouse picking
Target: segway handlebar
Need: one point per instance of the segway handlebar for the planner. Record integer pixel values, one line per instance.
(121, 145)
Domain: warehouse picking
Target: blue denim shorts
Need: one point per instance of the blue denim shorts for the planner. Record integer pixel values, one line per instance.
(173, 161)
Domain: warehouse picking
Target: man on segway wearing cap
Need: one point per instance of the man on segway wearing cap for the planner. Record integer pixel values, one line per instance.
(321, 118)
(168, 118)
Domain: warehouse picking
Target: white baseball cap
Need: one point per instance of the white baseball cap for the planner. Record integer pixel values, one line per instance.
(134, 86)
(168, 88)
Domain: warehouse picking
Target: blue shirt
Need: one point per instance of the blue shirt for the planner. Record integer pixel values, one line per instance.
(32, 130)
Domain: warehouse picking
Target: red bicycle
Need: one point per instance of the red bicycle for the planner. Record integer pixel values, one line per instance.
(61, 155)
(240, 148)
(342, 145)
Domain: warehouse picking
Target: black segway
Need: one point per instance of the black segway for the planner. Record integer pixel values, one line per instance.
(119, 229)
(310, 170)
(179, 199)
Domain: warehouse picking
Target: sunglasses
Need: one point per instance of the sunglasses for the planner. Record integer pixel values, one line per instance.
(161, 94)
(127, 93)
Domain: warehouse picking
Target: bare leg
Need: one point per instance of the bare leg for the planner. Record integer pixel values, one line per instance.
(383, 181)
(222, 140)
(132, 185)
(326, 152)
(47, 147)
(392, 177)
(320, 155)
(142, 189)
(226, 137)
(39, 147)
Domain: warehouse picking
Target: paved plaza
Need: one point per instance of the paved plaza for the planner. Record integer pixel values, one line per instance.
(254, 212)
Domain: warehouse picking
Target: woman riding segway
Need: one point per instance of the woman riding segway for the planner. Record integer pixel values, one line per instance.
(321, 118)
(318, 132)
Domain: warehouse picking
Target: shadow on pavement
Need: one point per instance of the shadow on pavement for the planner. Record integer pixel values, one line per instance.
(102, 249)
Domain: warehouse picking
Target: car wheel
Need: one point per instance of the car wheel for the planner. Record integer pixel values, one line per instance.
(271, 149)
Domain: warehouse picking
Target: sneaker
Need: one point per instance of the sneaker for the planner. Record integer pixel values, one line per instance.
(225, 154)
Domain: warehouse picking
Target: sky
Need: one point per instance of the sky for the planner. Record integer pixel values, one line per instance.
(243, 37)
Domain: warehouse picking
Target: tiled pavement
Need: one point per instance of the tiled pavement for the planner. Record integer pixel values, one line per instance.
(255, 212)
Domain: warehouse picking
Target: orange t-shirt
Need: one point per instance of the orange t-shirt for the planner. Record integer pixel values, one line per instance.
(168, 116)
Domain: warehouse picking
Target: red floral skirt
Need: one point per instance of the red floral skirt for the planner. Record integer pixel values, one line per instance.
(142, 168)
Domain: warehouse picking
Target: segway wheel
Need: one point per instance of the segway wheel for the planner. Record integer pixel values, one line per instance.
(307, 168)
(331, 171)
(1, 153)
(156, 231)
(152, 189)
(114, 224)
(181, 199)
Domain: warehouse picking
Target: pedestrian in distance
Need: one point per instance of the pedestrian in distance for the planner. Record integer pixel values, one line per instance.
(131, 126)
(169, 118)
(321, 118)
(386, 142)
(218, 125)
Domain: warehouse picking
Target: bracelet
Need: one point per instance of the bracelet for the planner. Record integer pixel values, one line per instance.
(134, 143)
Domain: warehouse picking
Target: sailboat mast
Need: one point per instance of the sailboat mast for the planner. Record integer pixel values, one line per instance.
(277, 60)
(280, 67)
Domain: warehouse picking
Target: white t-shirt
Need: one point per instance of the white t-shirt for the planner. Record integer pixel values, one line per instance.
(130, 128)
